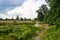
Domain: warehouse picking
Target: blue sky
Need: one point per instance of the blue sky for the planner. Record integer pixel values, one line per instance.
(23, 8)
(9, 4)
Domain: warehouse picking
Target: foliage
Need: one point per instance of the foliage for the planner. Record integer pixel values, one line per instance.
(17, 18)
(52, 34)
(40, 16)
(53, 16)
(17, 32)
(42, 11)
(21, 18)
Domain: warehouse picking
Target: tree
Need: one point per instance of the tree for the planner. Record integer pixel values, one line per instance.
(25, 19)
(12, 18)
(42, 11)
(40, 16)
(6, 19)
(43, 8)
(17, 18)
(1, 19)
(35, 18)
(21, 18)
(53, 16)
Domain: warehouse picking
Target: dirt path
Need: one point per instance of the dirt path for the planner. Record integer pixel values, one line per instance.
(40, 33)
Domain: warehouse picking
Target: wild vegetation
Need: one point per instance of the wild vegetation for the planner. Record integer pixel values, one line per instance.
(51, 34)
(24, 29)
(52, 18)
(18, 32)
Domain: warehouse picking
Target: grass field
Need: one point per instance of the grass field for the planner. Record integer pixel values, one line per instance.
(25, 30)
(20, 30)
(17, 32)
(14, 22)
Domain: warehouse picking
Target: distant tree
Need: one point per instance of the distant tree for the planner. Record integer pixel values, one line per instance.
(29, 19)
(17, 17)
(43, 8)
(25, 19)
(1, 19)
(42, 11)
(21, 18)
(35, 18)
(12, 18)
(40, 16)
(6, 19)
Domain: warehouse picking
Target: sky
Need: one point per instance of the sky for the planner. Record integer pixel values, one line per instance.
(23, 8)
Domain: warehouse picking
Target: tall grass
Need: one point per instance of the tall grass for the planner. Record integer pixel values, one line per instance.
(17, 32)
(52, 34)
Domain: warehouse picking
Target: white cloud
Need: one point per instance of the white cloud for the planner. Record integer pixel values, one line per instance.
(28, 9)
(4, 16)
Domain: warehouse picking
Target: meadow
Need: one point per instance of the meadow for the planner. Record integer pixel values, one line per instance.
(26, 30)
(17, 30)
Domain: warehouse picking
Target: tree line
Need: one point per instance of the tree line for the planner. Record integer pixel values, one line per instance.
(17, 18)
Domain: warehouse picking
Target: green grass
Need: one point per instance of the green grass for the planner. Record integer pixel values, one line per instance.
(26, 31)
(17, 32)
(52, 34)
